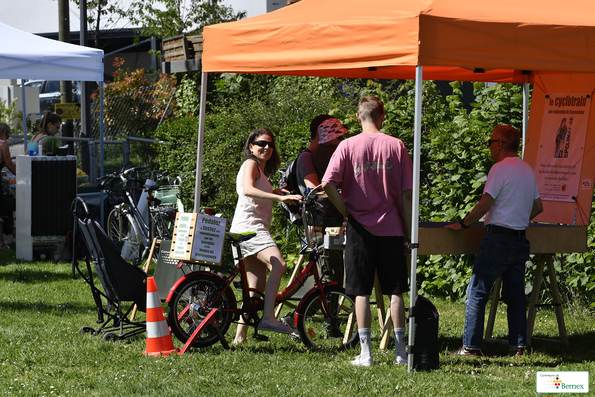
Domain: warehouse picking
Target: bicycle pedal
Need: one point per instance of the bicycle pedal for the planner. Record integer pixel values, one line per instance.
(237, 284)
(261, 338)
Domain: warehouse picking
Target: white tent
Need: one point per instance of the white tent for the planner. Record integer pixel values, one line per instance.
(24, 55)
(27, 56)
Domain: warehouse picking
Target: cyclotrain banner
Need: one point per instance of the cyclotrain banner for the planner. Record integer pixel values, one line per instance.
(562, 146)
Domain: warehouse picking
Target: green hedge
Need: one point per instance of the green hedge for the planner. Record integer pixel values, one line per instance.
(454, 157)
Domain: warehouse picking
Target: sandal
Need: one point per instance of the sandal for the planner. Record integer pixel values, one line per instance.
(4, 247)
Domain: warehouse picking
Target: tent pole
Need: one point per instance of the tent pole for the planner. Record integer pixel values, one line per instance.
(23, 101)
(101, 170)
(415, 211)
(525, 110)
(201, 133)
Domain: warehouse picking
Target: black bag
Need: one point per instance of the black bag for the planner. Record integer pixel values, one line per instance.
(289, 181)
(425, 349)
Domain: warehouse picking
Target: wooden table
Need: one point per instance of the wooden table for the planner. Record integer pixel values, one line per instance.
(546, 240)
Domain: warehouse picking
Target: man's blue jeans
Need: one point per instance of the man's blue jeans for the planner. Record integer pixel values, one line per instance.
(499, 255)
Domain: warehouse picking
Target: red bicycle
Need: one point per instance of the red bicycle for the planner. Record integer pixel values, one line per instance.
(202, 305)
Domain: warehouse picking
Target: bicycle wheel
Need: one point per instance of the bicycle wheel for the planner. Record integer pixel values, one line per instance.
(113, 227)
(192, 301)
(125, 234)
(161, 224)
(321, 330)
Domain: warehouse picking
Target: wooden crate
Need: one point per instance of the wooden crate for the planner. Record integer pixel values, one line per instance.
(195, 42)
(182, 48)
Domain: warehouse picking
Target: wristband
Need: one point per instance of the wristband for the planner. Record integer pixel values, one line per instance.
(462, 224)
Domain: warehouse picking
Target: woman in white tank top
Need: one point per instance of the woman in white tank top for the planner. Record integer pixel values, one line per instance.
(253, 213)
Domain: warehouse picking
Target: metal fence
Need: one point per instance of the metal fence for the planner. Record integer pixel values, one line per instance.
(129, 122)
(134, 114)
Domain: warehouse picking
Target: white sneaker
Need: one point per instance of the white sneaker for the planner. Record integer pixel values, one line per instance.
(401, 360)
(362, 362)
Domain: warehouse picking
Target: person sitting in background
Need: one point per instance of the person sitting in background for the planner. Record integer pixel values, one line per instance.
(5, 161)
(49, 126)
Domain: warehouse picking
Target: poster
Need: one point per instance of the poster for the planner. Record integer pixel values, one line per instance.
(68, 111)
(562, 146)
(209, 237)
(183, 233)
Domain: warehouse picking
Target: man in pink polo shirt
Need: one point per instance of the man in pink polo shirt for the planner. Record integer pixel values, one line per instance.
(376, 176)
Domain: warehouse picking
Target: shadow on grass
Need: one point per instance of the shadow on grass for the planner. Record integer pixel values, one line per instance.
(31, 276)
(15, 305)
(579, 348)
(271, 347)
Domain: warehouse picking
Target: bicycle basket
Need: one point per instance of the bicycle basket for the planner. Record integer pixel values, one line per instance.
(168, 194)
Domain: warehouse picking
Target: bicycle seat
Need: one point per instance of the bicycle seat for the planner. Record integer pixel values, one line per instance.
(239, 237)
(150, 187)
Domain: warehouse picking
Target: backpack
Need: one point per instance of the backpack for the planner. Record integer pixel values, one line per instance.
(425, 348)
(289, 181)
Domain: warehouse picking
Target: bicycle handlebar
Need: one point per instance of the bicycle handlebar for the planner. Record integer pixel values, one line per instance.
(310, 204)
(109, 178)
(124, 174)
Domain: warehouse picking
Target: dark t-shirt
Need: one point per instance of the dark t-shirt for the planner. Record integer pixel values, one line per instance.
(315, 162)
(305, 166)
(321, 156)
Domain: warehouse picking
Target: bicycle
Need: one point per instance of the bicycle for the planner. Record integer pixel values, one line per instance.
(202, 306)
(163, 205)
(126, 225)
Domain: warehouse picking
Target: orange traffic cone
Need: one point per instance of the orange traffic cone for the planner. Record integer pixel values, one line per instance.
(159, 341)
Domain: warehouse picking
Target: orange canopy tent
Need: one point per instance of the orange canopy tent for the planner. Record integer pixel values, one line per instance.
(470, 40)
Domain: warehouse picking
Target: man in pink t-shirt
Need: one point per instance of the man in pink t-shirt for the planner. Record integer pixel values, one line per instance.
(376, 177)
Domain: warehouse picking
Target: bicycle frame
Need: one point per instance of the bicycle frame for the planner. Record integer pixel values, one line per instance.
(318, 316)
(309, 270)
(133, 210)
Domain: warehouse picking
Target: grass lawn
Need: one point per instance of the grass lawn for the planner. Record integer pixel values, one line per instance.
(42, 308)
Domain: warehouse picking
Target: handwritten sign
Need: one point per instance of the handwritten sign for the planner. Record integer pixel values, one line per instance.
(68, 111)
(183, 236)
(209, 237)
(198, 238)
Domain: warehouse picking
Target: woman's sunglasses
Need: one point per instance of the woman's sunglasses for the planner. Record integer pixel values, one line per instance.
(264, 143)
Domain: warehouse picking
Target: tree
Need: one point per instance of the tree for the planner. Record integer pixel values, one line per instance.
(166, 18)
(104, 15)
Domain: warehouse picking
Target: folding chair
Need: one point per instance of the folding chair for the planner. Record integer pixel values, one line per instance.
(121, 281)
